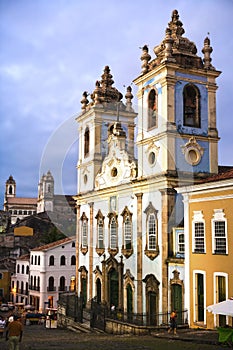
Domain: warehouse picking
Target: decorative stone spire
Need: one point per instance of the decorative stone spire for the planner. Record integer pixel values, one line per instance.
(207, 50)
(168, 44)
(176, 48)
(176, 25)
(129, 97)
(97, 93)
(84, 100)
(145, 58)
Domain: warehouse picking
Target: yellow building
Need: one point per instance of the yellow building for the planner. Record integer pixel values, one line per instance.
(208, 227)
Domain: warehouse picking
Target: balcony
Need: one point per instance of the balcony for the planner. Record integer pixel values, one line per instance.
(51, 289)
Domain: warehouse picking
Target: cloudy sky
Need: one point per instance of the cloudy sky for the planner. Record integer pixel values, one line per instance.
(52, 51)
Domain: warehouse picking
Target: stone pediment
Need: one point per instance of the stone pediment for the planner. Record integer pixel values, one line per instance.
(117, 167)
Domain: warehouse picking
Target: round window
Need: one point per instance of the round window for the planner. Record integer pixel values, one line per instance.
(114, 172)
(152, 158)
(192, 156)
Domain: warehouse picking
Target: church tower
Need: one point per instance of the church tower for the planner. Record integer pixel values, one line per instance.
(95, 125)
(177, 132)
(10, 191)
(10, 187)
(45, 193)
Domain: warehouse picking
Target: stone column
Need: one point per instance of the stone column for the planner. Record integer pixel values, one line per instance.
(91, 253)
(139, 252)
(77, 248)
(168, 203)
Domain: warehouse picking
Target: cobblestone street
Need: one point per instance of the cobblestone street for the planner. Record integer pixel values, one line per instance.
(38, 338)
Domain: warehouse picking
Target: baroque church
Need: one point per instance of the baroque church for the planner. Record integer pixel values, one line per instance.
(19, 208)
(130, 237)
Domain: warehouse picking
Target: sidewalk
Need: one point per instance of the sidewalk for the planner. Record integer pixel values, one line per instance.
(199, 336)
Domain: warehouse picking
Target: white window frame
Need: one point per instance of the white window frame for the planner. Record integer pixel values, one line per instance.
(218, 216)
(195, 272)
(215, 276)
(198, 218)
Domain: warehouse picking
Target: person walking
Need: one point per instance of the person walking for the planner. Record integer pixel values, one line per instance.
(14, 333)
(173, 324)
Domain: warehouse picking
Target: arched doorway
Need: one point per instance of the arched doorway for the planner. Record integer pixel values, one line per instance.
(98, 290)
(176, 300)
(129, 299)
(152, 299)
(113, 287)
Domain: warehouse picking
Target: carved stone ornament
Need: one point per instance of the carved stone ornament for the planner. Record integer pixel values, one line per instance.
(192, 151)
(151, 254)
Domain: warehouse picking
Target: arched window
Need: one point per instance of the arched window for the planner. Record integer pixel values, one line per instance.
(35, 259)
(18, 268)
(32, 260)
(86, 142)
(22, 285)
(128, 233)
(73, 260)
(63, 260)
(51, 260)
(100, 232)
(39, 260)
(84, 234)
(22, 269)
(27, 270)
(51, 284)
(152, 247)
(62, 283)
(113, 233)
(152, 109)
(38, 283)
(152, 232)
(191, 103)
(34, 283)
(10, 189)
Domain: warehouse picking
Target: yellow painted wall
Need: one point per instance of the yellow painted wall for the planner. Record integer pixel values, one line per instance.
(23, 231)
(209, 262)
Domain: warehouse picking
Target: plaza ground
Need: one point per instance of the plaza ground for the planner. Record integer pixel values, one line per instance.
(37, 337)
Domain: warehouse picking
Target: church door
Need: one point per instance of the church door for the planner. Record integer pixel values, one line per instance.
(176, 301)
(113, 287)
(152, 308)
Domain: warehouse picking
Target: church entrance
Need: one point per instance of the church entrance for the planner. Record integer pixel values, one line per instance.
(176, 300)
(113, 287)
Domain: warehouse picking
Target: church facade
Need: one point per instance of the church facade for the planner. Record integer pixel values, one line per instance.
(129, 233)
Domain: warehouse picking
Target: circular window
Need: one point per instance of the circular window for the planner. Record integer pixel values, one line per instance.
(193, 156)
(85, 179)
(152, 158)
(114, 172)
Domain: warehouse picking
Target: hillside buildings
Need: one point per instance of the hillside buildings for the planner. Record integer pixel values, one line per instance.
(47, 271)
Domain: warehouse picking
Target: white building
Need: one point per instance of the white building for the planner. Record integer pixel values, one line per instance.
(129, 164)
(49, 270)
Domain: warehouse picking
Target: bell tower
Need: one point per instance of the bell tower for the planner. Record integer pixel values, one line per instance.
(45, 193)
(96, 123)
(10, 187)
(177, 132)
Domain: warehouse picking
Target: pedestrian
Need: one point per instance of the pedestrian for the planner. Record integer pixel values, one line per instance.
(173, 324)
(2, 326)
(14, 333)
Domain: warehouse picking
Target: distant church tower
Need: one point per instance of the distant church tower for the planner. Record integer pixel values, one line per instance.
(10, 191)
(45, 193)
(10, 187)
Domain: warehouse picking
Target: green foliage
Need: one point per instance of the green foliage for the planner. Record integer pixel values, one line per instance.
(53, 235)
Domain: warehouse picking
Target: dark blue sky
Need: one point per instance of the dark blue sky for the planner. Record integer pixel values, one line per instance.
(52, 51)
